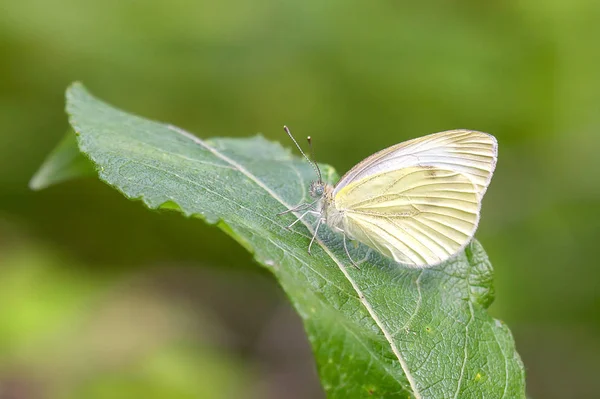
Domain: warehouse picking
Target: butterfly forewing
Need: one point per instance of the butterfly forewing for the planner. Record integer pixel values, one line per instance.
(418, 216)
(468, 152)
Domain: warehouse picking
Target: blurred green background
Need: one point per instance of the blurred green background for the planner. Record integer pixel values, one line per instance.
(101, 298)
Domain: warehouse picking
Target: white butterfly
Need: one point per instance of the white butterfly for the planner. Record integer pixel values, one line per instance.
(417, 202)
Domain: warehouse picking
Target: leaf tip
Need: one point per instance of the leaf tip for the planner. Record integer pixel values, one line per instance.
(38, 181)
(74, 86)
(64, 162)
(75, 90)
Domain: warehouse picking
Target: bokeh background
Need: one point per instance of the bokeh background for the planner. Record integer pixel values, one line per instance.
(101, 298)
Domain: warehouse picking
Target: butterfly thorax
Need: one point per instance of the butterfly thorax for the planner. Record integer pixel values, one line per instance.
(323, 192)
(334, 217)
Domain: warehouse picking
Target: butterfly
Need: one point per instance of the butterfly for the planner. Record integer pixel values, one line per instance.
(417, 202)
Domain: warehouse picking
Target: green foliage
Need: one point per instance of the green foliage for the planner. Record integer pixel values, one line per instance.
(382, 331)
(104, 334)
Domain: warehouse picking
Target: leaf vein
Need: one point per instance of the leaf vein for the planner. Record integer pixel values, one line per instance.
(466, 349)
(343, 269)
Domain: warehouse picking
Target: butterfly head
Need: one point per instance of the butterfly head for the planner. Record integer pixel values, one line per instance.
(317, 189)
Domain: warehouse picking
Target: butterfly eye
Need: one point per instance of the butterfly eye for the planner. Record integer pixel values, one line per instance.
(316, 189)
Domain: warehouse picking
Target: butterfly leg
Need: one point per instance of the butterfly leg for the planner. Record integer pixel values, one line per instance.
(298, 208)
(315, 234)
(299, 218)
(348, 253)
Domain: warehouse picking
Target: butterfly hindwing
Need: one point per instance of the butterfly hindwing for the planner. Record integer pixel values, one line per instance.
(418, 216)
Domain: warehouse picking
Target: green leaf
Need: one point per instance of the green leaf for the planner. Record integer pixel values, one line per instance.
(65, 162)
(381, 331)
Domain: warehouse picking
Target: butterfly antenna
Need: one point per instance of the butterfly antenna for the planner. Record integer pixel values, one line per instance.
(313, 163)
(312, 157)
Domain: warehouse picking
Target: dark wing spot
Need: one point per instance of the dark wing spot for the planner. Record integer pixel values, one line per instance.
(431, 172)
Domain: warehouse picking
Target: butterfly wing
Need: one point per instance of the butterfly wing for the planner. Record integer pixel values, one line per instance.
(419, 216)
(469, 152)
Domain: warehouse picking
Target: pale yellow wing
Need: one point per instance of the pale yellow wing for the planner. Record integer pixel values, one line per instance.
(419, 216)
(468, 152)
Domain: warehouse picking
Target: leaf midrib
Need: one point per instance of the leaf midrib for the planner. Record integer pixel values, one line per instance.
(340, 265)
